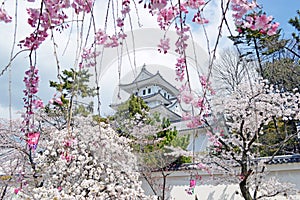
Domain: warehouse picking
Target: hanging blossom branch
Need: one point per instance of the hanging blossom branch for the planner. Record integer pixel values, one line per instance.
(50, 15)
(104, 40)
(31, 101)
(31, 104)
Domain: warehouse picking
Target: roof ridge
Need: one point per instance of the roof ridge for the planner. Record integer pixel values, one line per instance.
(145, 71)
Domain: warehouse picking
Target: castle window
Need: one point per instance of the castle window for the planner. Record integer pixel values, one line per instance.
(149, 90)
(144, 92)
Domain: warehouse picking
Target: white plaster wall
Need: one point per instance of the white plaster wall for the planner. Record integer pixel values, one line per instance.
(178, 181)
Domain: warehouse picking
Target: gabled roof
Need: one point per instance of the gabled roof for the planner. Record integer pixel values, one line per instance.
(145, 78)
(144, 74)
(165, 112)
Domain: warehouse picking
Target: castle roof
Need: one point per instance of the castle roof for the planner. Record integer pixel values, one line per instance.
(146, 78)
(156, 97)
(144, 74)
(164, 111)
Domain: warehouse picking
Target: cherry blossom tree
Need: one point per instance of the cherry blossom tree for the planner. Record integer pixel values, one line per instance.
(247, 111)
(13, 157)
(90, 161)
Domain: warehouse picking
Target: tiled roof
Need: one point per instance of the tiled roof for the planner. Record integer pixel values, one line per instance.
(144, 79)
(284, 159)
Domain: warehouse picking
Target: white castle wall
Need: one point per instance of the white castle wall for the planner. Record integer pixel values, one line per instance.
(178, 181)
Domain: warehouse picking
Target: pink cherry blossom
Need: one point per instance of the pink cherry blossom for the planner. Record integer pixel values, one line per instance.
(126, 2)
(194, 122)
(249, 22)
(202, 166)
(38, 103)
(52, 16)
(16, 190)
(125, 10)
(122, 35)
(4, 16)
(88, 57)
(262, 22)
(113, 41)
(183, 9)
(125, 7)
(31, 102)
(82, 6)
(194, 4)
(273, 29)
(246, 17)
(187, 97)
(183, 36)
(186, 116)
(120, 22)
(199, 103)
(164, 45)
(158, 4)
(192, 183)
(32, 139)
(203, 81)
(101, 37)
(199, 19)
(58, 101)
(180, 69)
(214, 140)
(69, 142)
(33, 16)
(66, 156)
(165, 16)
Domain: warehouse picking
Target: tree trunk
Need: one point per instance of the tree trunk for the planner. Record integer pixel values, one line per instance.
(245, 190)
(164, 186)
(245, 172)
(4, 192)
(243, 184)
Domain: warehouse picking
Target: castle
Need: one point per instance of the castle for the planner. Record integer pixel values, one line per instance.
(161, 97)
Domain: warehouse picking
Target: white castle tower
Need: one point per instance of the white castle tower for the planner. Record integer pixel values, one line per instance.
(157, 93)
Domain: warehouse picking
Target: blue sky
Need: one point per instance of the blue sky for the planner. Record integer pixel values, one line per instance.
(282, 11)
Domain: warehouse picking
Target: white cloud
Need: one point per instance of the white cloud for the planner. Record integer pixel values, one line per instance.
(47, 63)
